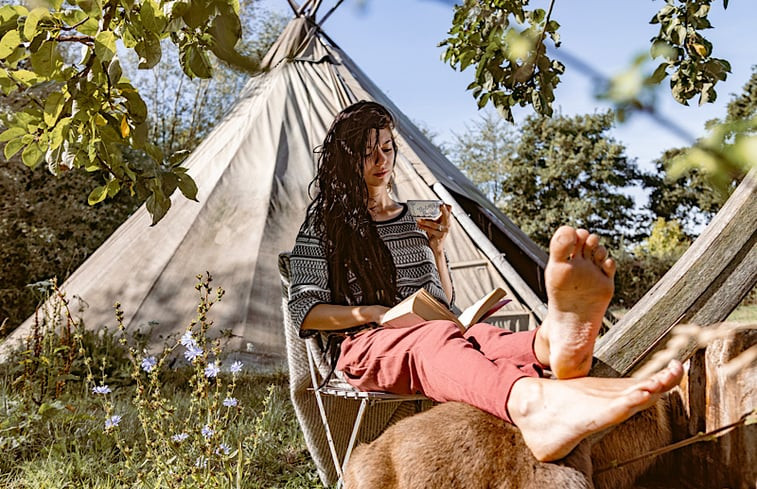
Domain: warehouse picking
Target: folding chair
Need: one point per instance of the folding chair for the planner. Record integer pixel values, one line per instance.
(335, 388)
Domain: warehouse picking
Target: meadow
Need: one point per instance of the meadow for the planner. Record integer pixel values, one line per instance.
(81, 409)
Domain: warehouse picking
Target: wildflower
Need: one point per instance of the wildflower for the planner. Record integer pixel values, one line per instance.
(180, 437)
(101, 389)
(212, 370)
(230, 402)
(148, 363)
(236, 367)
(223, 448)
(201, 462)
(113, 421)
(187, 340)
(193, 351)
(207, 431)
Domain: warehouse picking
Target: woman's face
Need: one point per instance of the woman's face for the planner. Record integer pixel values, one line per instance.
(379, 160)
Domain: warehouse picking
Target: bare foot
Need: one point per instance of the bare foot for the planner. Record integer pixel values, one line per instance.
(579, 280)
(555, 415)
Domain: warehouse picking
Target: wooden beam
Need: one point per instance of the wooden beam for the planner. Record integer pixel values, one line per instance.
(703, 287)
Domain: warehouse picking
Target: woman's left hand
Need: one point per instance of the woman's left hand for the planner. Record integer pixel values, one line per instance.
(437, 229)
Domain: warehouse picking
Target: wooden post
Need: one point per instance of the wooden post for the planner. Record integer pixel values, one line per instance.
(703, 287)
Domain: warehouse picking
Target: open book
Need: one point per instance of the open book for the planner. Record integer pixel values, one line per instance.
(422, 306)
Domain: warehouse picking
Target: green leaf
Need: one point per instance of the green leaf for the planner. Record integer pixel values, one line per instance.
(225, 32)
(177, 157)
(58, 134)
(26, 77)
(32, 21)
(105, 45)
(152, 16)
(197, 62)
(12, 147)
(128, 39)
(113, 187)
(9, 43)
(157, 205)
(12, 133)
(47, 59)
(135, 105)
(197, 13)
(114, 71)
(187, 186)
(97, 195)
(149, 51)
(32, 155)
(659, 74)
(53, 107)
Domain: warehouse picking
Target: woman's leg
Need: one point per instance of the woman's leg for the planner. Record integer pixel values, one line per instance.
(435, 359)
(499, 345)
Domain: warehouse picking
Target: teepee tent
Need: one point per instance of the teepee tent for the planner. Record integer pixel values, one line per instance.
(253, 172)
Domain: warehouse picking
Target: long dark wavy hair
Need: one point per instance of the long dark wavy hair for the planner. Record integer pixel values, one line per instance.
(340, 207)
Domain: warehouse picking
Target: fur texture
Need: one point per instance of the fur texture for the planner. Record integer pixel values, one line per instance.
(456, 446)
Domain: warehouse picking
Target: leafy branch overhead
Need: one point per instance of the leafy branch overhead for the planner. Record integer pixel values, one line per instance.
(93, 111)
(505, 43)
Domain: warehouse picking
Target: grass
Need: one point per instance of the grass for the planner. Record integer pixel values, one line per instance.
(66, 446)
(747, 314)
(82, 409)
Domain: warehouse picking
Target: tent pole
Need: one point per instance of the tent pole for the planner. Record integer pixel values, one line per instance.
(323, 19)
(314, 9)
(304, 6)
(519, 286)
(294, 6)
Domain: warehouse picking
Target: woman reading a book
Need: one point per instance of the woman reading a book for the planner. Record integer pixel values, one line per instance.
(359, 253)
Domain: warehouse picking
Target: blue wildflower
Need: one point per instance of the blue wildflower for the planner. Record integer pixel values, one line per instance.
(113, 421)
(230, 402)
(207, 431)
(193, 351)
(179, 437)
(223, 448)
(148, 363)
(236, 367)
(101, 389)
(212, 370)
(187, 340)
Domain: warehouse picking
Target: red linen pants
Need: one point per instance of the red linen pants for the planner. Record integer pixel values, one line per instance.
(478, 367)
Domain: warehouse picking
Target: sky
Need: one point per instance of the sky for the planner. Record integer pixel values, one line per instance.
(395, 44)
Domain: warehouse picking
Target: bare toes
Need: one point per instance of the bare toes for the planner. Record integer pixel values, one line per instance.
(563, 244)
(582, 236)
(608, 266)
(590, 246)
(599, 255)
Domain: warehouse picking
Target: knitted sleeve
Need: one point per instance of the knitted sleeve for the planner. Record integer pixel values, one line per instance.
(309, 277)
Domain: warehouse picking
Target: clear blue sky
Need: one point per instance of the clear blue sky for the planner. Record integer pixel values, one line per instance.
(395, 43)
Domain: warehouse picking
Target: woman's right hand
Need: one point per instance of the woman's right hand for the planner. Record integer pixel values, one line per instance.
(378, 312)
(330, 317)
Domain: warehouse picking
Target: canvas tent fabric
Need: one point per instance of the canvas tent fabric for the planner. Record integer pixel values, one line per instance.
(253, 172)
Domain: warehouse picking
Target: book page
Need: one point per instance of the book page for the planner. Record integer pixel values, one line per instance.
(475, 311)
(419, 307)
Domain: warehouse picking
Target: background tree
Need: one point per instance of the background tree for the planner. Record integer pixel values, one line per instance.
(484, 152)
(47, 226)
(567, 170)
(688, 199)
